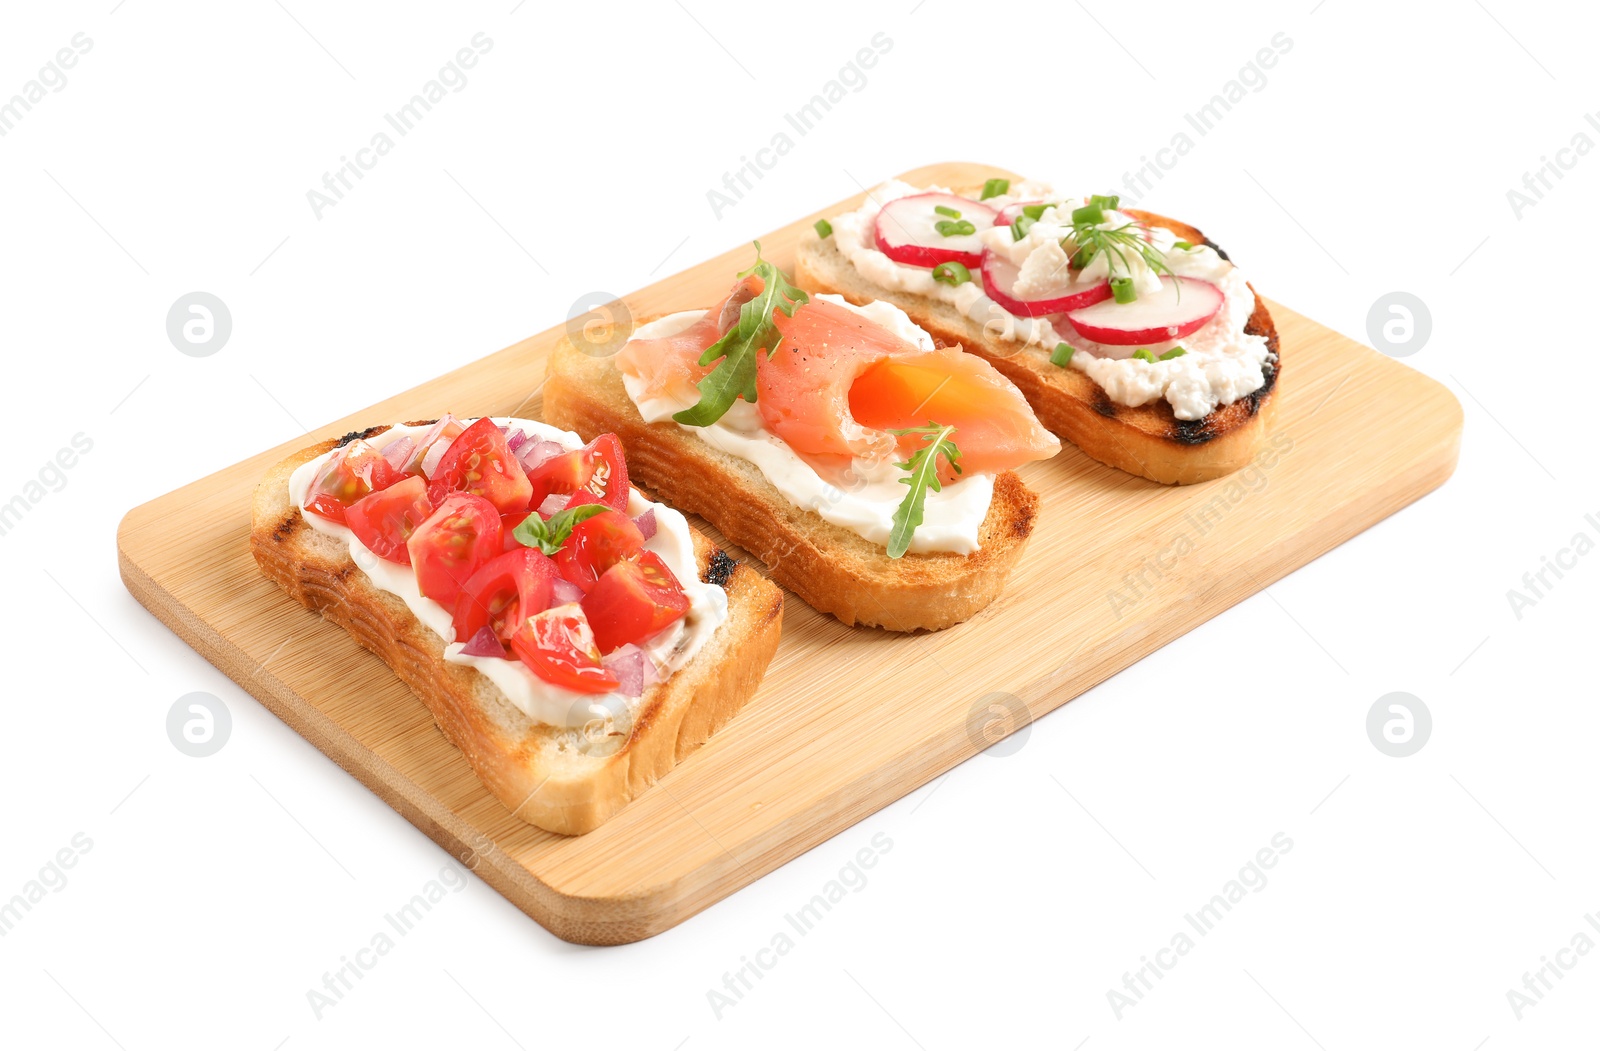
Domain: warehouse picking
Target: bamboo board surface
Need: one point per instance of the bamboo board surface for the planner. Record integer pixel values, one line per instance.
(848, 719)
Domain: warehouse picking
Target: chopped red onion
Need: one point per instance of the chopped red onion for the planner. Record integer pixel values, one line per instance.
(563, 591)
(647, 523)
(398, 452)
(430, 462)
(553, 503)
(536, 451)
(515, 440)
(432, 433)
(483, 644)
(627, 663)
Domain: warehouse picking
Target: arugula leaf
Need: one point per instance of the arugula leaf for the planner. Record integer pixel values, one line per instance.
(735, 375)
(548, 535)
(923, 468)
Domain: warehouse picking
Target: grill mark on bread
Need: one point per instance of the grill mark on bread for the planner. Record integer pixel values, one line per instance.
(352, 436)
(1209, 243)
(1269, 370)
(720, 568)
(1193, 432)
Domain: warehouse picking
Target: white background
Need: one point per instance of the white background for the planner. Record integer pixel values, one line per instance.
(1377, 157)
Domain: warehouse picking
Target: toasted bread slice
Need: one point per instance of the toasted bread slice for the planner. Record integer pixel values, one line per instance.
(1146, 440)
(834, 569)
(533, 768)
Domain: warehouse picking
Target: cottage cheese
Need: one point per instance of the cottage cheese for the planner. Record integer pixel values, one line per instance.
(1221, 363)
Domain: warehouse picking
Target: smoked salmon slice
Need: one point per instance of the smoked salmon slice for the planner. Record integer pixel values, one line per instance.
(839, 383)
(671, 365)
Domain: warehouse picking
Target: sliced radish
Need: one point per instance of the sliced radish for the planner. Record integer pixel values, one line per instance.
(1000, 275)
(1181, 308)
(907, 230)
(1008, 215)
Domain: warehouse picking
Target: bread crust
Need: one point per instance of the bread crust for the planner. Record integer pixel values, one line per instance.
(530, 767)
(834, 569)
(1146, 440)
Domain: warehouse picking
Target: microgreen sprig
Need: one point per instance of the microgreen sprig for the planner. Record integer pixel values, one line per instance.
(922, 474)
(735, 374)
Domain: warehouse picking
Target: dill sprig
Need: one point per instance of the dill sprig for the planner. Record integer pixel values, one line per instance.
(1090, 240)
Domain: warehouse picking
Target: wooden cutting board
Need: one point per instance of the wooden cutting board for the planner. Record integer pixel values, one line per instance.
(848, 720)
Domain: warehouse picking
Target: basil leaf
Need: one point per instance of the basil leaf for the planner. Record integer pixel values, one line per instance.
(550, 535)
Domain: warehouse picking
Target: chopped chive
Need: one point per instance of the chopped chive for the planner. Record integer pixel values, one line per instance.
(1122, 290)
(1062, 354)
(1175, 352)
(1185, 245)
(1020, 226)
(994, 188)
(954, 227)
(1090, 214)
(1143, 354)
(1034, 211)
(824, 228)
(1081, 258)
(952, 273)
(951, 212)
(1104, 201)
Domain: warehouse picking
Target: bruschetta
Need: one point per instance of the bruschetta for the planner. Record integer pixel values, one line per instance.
(574, 639)
(1133, 336)
(870, 468)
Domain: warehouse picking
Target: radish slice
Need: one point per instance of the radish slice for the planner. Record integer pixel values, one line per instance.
(646, 523)
(907, 231)
(1000, 275)
(1008, 215)
(1181, 308)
